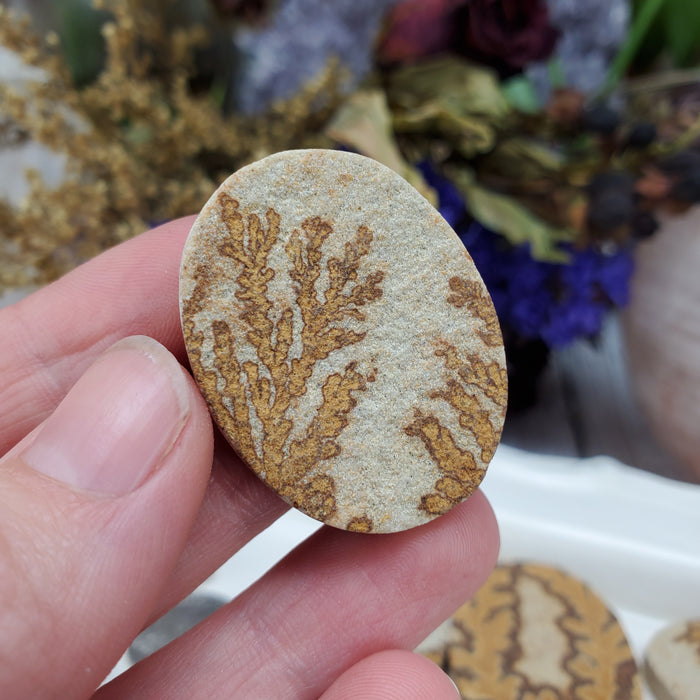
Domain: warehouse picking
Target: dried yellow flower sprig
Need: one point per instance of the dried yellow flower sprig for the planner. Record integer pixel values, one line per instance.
(140, 146)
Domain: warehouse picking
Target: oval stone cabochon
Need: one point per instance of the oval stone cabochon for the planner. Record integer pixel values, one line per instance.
(533, 632)
(343, 340)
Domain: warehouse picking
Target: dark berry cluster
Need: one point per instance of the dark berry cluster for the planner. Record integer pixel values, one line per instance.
(622, 202)
(537, 301)
(683, 172)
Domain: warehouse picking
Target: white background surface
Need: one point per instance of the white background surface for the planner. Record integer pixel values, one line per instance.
(633, 537)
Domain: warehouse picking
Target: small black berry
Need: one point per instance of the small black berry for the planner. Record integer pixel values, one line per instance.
(680, 163)
(687, 189)
(618, 180)
(600, 119)
(644, 224)
(641, 135)
(610, 210)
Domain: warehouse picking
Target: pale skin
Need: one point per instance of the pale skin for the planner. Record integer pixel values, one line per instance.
(118, 497)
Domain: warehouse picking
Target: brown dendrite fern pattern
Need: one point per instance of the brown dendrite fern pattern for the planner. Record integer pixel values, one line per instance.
(477, 391)
(597, 660)
(264, 390)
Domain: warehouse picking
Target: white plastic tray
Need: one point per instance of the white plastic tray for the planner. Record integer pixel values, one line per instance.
(633, 536)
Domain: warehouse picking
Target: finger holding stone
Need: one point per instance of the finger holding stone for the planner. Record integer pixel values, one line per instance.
(393, 675)
(53, 335)
(95, 508)
(237, 506)
(338, 598)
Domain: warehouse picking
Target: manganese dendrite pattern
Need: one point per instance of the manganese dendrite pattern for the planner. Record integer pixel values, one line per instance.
(263, 391)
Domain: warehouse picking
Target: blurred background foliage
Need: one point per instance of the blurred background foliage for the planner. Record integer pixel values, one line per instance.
(550, 134)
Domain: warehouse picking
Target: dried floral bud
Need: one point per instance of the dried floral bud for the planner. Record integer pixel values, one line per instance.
(680, 163)
(611, 202)
(600, 119)
(509, 33)
(565, 106)
(122, 137)
(681, 174)
(245, 10)
(641, 135)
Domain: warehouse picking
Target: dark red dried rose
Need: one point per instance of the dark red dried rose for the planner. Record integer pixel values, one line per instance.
(507, 33)
(417, 28)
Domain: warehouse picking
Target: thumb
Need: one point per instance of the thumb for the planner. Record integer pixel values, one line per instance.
(95, 508)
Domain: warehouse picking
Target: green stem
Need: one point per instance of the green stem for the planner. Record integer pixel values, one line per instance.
(638, 31)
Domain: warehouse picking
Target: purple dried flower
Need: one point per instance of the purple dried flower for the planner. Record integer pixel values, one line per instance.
(535, 300)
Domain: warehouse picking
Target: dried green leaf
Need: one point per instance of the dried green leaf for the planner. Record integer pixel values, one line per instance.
(363, 122)
(511, 219)
(469, 135)
(465, 87)
(521, 158)
(449, 96)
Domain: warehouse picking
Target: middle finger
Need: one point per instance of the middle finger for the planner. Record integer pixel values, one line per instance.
(237, 506)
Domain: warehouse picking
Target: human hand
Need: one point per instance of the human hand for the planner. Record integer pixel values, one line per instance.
(111, 512)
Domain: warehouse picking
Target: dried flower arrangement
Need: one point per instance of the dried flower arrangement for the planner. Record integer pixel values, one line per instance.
(549, 193)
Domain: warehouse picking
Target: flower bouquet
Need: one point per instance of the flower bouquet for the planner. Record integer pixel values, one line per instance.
(548, 134)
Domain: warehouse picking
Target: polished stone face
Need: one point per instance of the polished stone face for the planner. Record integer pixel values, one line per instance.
(343, 340)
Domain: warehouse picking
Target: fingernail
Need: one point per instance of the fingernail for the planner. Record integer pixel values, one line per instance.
(118, 422)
